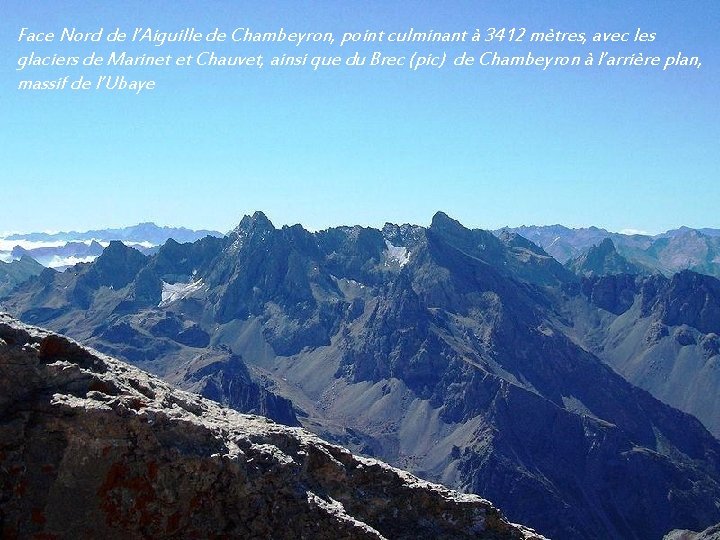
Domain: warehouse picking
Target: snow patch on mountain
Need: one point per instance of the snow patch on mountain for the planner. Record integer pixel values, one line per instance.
(171, 292)
(398, 254)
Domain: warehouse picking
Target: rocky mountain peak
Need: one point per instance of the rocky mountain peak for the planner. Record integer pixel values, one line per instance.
(442, 222)
(257, 222)
(402, 235)
(117, 265)
(117, 249)
(606, 247)
(251, 228)
(514, 240)
(17, 272)
(603, 259)
(474, 242)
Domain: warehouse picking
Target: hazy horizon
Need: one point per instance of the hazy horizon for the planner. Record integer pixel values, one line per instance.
(377, 225)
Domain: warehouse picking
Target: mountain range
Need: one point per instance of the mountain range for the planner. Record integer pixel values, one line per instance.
(64, 249)
(468, 357)
(143, 232)
(667, 253)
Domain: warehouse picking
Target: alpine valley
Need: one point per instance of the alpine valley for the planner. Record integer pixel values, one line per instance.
(580, 394)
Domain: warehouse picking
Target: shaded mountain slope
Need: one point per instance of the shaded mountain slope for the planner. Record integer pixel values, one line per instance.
(17, 272)
(93, 447)
(661, 334)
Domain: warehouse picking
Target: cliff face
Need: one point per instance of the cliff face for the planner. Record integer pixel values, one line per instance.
(91, 447)
(662, 335)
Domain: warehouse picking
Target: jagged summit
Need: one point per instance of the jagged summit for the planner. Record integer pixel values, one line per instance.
(442, 221)
(257, 221)
(603, 259)
(92, 447)
(117, 265)
(606, 247)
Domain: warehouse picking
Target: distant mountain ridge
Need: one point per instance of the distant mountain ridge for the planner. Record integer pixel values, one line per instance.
(675, 250)
(63, 249)
(670, 252)
(142, 232)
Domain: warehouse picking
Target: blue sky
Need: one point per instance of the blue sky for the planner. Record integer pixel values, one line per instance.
(617, 148)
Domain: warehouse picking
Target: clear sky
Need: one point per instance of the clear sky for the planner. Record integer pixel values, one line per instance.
(622, 148)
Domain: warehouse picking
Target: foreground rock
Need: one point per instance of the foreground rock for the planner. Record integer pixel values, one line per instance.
(91, 447)
(711, 533)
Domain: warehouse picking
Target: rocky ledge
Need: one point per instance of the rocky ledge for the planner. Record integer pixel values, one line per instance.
(711, 533)
(92, 447)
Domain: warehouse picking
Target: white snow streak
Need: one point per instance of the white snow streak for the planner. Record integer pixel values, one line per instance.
(172, 292)
(398, 254)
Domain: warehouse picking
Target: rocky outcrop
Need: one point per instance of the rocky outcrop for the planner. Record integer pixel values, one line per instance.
(692, 299)
(602, 260)
(613, 293)
(91, 447)
(222, 376)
